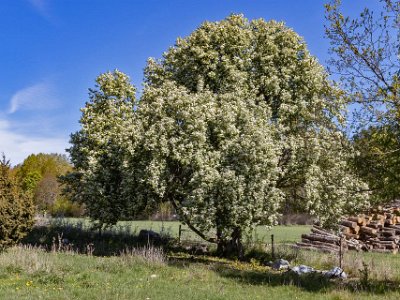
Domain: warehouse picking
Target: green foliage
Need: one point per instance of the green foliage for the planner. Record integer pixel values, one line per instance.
(43, 164)
(64, 207)
(16, 208)
(30, 181)
(378, 162)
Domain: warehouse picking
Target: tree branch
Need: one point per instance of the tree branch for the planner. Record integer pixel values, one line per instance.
(194, 229)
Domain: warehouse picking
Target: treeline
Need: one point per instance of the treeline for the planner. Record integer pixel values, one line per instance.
(38, 177)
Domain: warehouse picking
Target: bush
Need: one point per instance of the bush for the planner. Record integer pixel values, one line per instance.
(16, 208)
(63, 207)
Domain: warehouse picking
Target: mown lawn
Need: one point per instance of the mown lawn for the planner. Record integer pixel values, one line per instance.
(31, 273)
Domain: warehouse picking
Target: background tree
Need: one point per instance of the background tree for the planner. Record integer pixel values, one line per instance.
(366, 55)
(16, 208)
(38, 176)
(378, 163)
(46, 192)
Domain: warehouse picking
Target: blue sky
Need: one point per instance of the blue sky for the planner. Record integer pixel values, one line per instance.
(52, 50)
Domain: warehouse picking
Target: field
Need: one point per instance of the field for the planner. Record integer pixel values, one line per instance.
(28, 272)
(171, 228)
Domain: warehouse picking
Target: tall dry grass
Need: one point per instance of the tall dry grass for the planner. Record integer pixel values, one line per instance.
(26, 259)
(149, 254)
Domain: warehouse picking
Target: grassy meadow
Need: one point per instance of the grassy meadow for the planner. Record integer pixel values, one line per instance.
(134, 271)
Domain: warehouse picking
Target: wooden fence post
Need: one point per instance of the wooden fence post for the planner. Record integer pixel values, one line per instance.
(273, 246)
(179, 234)
(341, 252)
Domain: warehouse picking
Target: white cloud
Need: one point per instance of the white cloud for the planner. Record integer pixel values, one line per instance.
(17, 146)
(25, 134)
(36, 97)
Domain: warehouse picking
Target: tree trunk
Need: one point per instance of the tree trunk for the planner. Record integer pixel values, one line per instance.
(232, 247)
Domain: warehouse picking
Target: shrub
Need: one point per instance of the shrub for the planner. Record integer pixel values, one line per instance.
(16, 208)
(63, 207)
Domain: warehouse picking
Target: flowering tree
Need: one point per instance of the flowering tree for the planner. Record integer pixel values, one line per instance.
(235, 121)
(213, 157)
(272, 62)
(98, 149)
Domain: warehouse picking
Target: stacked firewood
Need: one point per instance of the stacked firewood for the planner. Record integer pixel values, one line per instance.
(377, 231)
(322, 240)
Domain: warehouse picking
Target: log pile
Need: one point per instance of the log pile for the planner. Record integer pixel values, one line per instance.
(320, 239)
(377, 231)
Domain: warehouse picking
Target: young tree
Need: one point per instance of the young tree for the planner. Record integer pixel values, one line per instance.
(366, 54)
(16, 208)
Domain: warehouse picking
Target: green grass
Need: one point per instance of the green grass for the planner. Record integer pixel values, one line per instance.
(121, 270)
(31, 273)
(262, 233)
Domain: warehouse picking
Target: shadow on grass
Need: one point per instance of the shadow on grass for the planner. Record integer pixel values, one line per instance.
(62, 236)
(67, 237)
(312, 282)
(243, 273)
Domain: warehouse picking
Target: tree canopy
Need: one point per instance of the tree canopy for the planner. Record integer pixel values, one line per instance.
(235, 122)
(306, 110)
(378, 162)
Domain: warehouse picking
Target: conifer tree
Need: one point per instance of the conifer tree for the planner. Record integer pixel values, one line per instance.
(16, 208)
